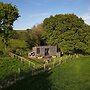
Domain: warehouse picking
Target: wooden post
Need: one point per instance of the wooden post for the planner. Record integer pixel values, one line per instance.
(29, 63)
(34, 66)
(21, 59)
(33, 70)
(18, 70)
(65, 60)
(76, 55)
(15, 78)
(44, 67)
(18, 57)
(59, 61)
(53, 63)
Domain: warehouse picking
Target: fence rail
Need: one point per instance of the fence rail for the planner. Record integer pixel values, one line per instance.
(22, 59)
(35, 71)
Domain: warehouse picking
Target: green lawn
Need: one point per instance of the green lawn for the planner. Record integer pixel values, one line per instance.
(74, 75)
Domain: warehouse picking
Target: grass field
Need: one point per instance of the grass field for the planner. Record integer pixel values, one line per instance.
(74, 75)
(15, 43)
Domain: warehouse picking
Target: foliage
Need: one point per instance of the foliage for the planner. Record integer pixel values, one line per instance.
(8, 14)
(31, 40)
(1, 44)
(14, 35)
(21, 34)
(1, 53)
(14, 45)
(34, 36)
(68, 32)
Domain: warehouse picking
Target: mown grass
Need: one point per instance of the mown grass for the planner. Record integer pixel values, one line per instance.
(74, 75)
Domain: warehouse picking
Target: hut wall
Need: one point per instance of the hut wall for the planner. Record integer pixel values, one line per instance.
(52, 50)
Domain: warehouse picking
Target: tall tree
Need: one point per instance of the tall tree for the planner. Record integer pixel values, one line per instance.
(68, 32)
(38, 34)
(8, 14)
(35, 36)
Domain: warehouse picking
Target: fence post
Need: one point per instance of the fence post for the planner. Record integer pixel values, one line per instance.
(76, 55)
(21, 59)
(29, 63)
(53, 63)
(15, 78)
(34, 66)
(18, 70)
(44, 67)
(33, 69)
(59, 61)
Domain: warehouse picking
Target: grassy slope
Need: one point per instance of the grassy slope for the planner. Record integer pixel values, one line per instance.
(9, 67)
(14, 43)
(20, 42)
(74, 75)
(17, 43)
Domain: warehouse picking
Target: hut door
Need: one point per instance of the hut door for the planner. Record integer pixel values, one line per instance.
(46, 51)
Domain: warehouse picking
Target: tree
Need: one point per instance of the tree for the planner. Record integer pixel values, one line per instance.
(68, 32)
(35, 36)
(31, 40)
(8, 14)
(38, 32)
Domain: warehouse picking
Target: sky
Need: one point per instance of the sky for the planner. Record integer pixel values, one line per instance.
(33, 12)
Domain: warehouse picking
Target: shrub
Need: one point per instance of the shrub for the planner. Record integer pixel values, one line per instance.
(1, 53)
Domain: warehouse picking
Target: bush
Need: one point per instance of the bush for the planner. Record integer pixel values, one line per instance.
(1, 53)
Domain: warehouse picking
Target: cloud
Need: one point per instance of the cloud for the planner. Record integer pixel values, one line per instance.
(86, 16)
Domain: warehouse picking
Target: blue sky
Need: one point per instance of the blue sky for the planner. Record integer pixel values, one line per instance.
(33, 12)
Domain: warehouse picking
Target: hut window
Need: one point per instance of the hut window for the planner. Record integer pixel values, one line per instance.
(38, 50)
(46, 51)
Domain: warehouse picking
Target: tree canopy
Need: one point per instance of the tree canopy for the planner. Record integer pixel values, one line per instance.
(8, 14)
(35, 36)
(68, 32)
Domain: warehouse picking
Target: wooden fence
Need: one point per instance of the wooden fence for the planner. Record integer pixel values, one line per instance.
(35, 71)
(45, 66)
(22, 59)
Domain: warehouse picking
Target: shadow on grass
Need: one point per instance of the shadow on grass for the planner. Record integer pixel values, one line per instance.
(37, 82)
